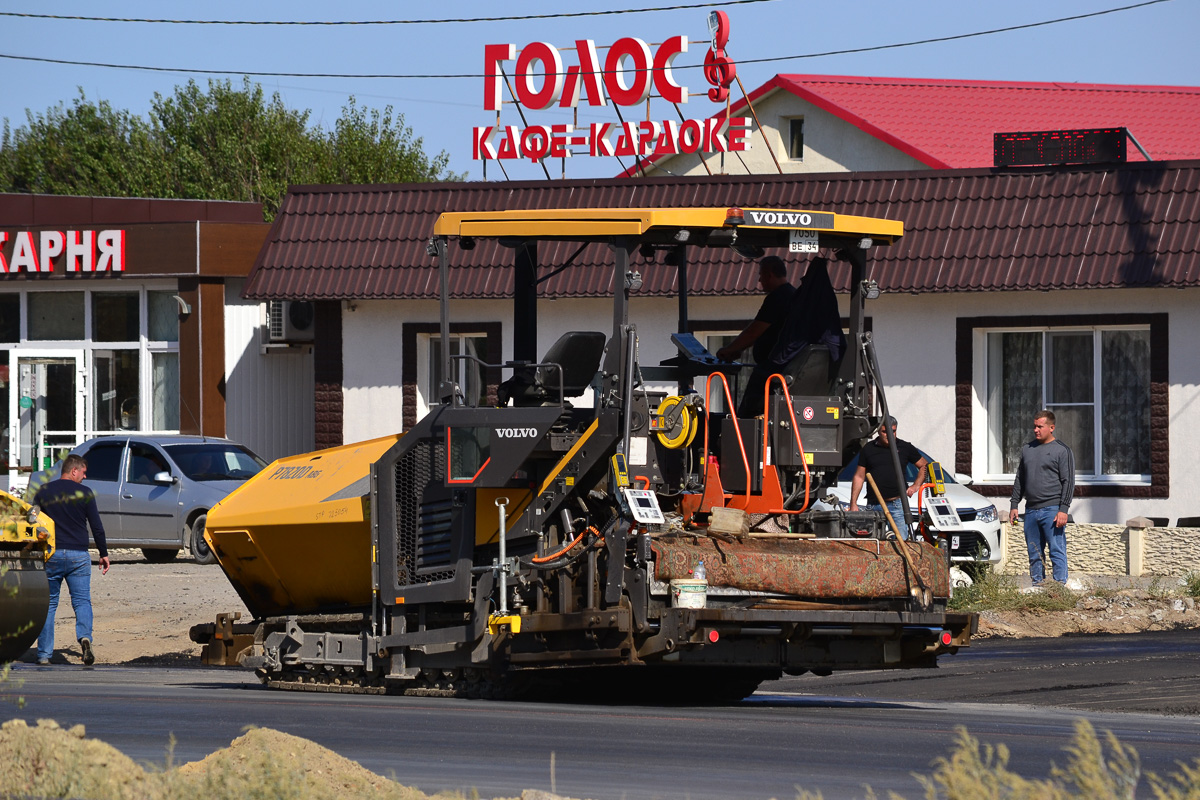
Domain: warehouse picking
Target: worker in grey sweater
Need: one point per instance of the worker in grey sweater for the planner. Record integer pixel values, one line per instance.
(1046, 479)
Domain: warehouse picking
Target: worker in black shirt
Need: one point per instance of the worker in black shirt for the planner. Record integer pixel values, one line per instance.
(72, 506)
(762, 333)
(876, 459)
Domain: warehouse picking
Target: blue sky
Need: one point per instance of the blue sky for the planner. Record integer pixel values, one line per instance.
(1148, 45)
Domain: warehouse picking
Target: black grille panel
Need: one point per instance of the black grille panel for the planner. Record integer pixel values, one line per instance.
(433, 544)
(969, 544)
(423, 523)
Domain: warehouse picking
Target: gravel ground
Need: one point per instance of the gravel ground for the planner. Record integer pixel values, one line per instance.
(143, 611)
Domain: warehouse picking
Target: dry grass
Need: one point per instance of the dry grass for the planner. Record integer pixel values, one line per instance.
(1095, 770)
(1191, 584)
(994, 592)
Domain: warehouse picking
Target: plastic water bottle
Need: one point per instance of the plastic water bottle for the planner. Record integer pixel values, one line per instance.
(699, 573)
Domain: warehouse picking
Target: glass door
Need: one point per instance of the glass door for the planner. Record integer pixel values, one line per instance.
(46, 408)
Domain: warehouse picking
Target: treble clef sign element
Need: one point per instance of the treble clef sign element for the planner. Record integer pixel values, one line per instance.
(719, 69)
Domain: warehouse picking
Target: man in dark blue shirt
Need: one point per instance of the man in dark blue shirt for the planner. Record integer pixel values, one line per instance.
(72, 506)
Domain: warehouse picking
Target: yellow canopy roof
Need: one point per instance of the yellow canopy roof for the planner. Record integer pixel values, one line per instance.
(602, 223)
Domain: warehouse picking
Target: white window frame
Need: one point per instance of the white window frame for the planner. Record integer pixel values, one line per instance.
(705, 337)
(427, 371)
(786, 136)
(87, 347)
(982, 386)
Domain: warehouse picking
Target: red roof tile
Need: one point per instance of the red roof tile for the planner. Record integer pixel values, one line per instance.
(949, 123)
(965, 230)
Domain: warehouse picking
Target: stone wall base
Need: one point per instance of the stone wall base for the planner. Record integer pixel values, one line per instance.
(1135, 548)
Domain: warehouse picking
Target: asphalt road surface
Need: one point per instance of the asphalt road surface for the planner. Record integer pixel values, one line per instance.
(1144, 672)
(836, 734)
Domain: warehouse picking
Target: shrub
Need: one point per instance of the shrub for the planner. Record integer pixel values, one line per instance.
(1001, 593)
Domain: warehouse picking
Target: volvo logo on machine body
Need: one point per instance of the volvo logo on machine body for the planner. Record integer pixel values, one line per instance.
(516, 433)
(789, 219)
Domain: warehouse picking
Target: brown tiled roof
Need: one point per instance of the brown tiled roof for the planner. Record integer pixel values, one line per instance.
(32, 210)
(965, 230)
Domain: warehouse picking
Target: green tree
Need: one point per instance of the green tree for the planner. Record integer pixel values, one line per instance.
(373, 146)
(86, 149)
(219, 143)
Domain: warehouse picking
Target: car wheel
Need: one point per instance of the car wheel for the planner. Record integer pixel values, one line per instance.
(156, 556)
(200, 549)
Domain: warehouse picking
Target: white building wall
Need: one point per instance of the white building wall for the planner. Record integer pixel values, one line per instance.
(268, 398)
(372, 394)
(915, 341)
(830, 145)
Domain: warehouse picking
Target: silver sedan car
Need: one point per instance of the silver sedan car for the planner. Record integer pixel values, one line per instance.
(154, 492)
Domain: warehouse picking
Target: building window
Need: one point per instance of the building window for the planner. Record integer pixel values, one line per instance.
(83, 362)
(116, 379)
(467, 372)
(714, 341)
(1105, 379)
(796, 138)
(1097, 383)
(115, 317)
(55, 316)
(421, 353)
(10, 318)
(164, 373)
(163, 316)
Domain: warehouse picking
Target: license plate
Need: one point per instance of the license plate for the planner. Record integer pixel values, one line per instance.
(804, 241)
(953, 542)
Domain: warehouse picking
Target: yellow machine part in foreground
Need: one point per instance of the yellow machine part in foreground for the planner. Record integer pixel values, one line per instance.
(17, 531)
(25, 546)
(296, 538)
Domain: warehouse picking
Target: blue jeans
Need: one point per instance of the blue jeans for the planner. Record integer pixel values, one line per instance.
(1040, 533)
(895, 507)
(75, 567)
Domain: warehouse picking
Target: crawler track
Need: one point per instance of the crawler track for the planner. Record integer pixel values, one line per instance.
(473, 684)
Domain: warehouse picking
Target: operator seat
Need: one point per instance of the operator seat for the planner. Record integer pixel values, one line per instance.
(811, 371)
(577, 352)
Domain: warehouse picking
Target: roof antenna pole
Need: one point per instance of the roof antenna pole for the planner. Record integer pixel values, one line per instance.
(524, 122)
(1138, 145)
(699, 154)
(763, 133)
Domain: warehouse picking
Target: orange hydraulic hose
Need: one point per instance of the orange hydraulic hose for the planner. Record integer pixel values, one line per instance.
(566, 549)
(795, 432)
(736, 428)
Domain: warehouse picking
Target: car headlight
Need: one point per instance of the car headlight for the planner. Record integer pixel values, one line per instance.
(987, 514)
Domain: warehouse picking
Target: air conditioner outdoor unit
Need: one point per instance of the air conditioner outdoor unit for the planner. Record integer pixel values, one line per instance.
(289, 321)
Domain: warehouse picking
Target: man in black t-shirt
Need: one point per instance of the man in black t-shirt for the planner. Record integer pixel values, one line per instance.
(762, 333)
(876, 459)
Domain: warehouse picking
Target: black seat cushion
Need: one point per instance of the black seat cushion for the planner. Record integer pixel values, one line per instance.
(576, 352)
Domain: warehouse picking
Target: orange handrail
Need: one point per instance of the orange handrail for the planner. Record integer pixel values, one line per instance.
(795, 432)
(920, 516)
(736, 428)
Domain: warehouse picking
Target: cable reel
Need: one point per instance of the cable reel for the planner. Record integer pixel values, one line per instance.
(676, 421)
